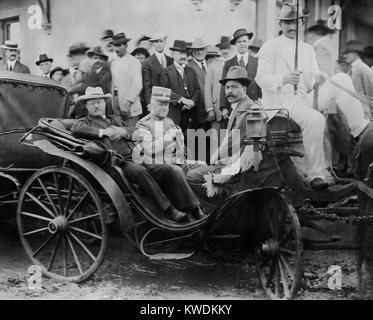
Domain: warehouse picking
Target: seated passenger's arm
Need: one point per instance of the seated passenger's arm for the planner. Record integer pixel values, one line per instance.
(81, 129)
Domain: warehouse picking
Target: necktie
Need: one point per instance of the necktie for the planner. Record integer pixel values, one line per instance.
(203, 67)
(10, 68)
(242, 63)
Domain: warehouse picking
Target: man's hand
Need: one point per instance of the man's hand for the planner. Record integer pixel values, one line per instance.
(108, 132)
(225, 113)
(119, 133)
(188, 103)
(211, 116)
(291, 78)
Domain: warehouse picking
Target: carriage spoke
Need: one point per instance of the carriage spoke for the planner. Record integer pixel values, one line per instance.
(287, 252)
(287, 267)
(83, 246)
(64, 255)
(93, 235)
(49, 197)
(58, 192)
(85, 218)
(67, 206)
(43, 245)
(286, 237)
(31, 215)
(271, 273)
(42, 205)
(35, 231)
(74, 254)
(77, 206)
(50, 264)
(277, 280)
(284, 280)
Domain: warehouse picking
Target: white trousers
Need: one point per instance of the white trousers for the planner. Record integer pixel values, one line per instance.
(312, 122)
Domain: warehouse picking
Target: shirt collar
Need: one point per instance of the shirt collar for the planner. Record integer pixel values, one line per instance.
(234, 105)
(319, 41)
(11, 63)
(245, 56)
(356, 62)
(200, 63)
(159, 55)
(178, 66)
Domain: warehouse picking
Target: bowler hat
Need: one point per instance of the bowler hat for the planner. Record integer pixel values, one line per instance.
(78, 48)
(92, 93)
(161, 94)
(224, 43)
(257, 43)
(240, 33)
(368, 52)
(140, 50)
(119, 39)
(8, 44)
(56, 69)
(97, 51)
(353, 46)
(107, 34)
(320, 28)
(236, 73)
(198, 43)
(43, 58)
(289, 12)
(179, 45)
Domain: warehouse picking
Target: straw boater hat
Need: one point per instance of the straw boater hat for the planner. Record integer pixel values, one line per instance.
(120, 38)
(213, 52)
(240, 33)
(236, 73)
(158, 36)
(198, 43)
(289, 12)
(179, 45)
(43, 58)
(97, 51)
(10, 45)
(161, 94)
(353, 46)
(92, 94)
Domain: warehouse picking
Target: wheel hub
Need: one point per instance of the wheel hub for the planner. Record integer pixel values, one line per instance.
(270, 248)
(58, 224)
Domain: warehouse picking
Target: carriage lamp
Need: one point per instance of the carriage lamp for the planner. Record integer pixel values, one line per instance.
(256, 131)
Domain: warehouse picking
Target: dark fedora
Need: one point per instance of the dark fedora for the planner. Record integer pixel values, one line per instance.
(240, 33)
(236, 73)
(225, 43)
(353, 46)
(179, 45)
(320, 28)
(56, 69)
(78, 48)
(289, 12)
(107, 34)
(119, 39)
(141, 50)
(368, 52)
(97, 51)
(43, 58)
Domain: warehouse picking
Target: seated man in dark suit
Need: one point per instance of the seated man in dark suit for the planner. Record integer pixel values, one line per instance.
(159, 182)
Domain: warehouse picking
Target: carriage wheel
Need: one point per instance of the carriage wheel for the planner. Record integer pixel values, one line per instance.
(279, 254)
(56, 212)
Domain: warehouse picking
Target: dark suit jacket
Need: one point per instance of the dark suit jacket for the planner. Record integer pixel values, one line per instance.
(253, 91)
(89, 128)
(201, 77)
(171, 78)
(18, 67)
(151, 72)
(101, 79)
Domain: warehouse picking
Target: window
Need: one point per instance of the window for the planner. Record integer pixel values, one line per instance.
(11, 29)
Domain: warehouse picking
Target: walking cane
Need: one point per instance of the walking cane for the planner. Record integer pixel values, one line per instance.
(296, 47)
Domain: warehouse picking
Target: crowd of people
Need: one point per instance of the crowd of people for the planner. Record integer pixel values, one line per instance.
(208, 87)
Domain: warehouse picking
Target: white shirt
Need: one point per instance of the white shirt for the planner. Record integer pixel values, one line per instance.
(180, 68)
(318, 41)
(245, 58)
(234, 105)
(11, 64)
(161, 56)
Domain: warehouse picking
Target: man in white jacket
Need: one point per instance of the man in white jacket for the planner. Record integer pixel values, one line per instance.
(277, 78)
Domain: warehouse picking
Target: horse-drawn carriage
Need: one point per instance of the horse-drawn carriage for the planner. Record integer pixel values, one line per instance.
(69, 190)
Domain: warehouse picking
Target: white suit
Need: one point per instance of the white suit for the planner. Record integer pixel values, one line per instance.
(276, 59)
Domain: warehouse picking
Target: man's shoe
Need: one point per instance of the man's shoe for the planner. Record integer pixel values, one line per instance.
(177, 215)
(319, 184)
(199, 214)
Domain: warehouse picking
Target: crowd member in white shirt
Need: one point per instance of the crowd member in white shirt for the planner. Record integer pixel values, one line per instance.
(11, 62)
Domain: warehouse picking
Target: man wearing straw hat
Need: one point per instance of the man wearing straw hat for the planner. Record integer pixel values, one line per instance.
(160, 183)
(11, 63)
(284, 86)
